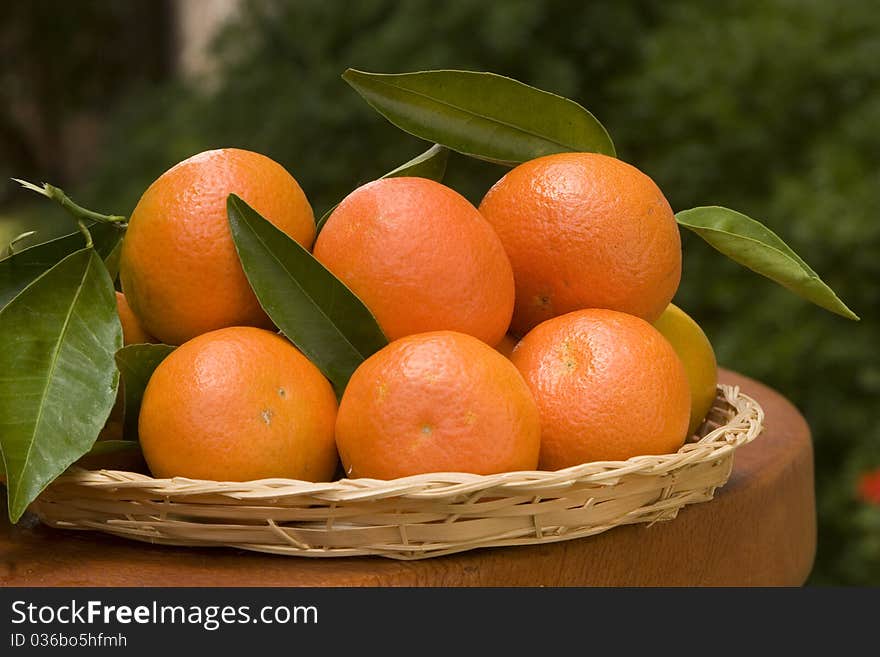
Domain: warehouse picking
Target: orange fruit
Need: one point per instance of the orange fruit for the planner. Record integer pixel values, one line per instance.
(507, 345)
(238, 404)
(421, 257)
(179, 268)
(436, 402)
(608, 386)
(698, 357)
(584, 230)
(132, 331)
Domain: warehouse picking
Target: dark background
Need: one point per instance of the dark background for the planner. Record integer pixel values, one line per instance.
(771, 107)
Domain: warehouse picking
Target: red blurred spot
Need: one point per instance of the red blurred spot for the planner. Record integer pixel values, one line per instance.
(869, 487)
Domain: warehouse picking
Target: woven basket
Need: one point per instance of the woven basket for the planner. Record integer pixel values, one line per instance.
(412, 517)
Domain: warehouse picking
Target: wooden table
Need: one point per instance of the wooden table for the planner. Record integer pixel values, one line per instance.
(760, 530)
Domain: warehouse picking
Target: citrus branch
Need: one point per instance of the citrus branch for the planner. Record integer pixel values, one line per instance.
(81, 214)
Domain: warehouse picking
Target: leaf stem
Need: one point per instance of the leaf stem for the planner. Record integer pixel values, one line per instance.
(77, 211)
(85, 231)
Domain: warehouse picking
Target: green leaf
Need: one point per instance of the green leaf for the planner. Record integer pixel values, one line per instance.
(487, 116)
(22, 267)
(58, 379)
(111, 260)
(753, 245)
(430, 164)
(313, 308)
(136, 363)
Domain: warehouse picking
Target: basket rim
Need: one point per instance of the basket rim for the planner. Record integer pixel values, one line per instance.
(410, 518)
(742, 427)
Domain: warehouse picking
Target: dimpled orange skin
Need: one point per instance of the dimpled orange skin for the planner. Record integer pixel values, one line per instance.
(585, 230)
(238, 404)
(132, 331)
(179, 268)
(421, 257)
(608, 386)
(436, 402)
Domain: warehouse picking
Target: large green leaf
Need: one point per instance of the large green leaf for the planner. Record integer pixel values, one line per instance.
(483, 115)
(136, 363)
(753, 245)
(58, 378)
(22, 267)
(430, 164)
(314, 309)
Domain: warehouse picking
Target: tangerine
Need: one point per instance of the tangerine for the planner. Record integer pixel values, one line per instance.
(585, 230)
(238, 404)
(698, 357)
(179, 269)
(437, 402)
(132, 331)
(421, 258)
(608, 387)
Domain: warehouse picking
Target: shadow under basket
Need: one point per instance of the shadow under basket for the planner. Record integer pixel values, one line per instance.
(412, 517)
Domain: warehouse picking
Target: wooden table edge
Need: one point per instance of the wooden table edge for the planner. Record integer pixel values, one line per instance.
(760, 530)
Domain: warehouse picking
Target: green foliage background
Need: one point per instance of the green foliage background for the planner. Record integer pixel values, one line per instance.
(771, 107)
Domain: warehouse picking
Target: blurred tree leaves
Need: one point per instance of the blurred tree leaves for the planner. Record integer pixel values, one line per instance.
(63, 62)
(767, 106)
(772, 107)
(292, 55)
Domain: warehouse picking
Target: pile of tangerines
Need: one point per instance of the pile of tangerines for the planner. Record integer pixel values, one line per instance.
(533, 332)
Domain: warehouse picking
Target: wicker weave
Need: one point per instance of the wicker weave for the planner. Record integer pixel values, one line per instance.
(412, 517)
